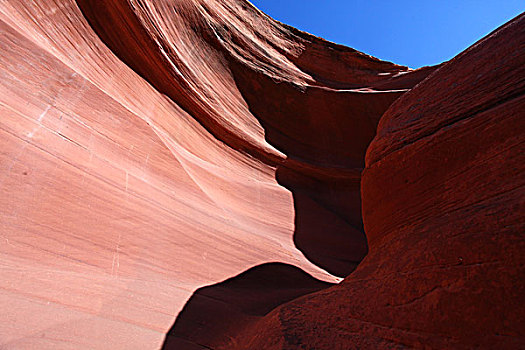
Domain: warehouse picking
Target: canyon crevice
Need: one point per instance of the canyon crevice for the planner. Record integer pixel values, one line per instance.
(193, 174)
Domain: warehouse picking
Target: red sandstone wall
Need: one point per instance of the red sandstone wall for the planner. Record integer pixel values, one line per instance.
(443, 202)
(186, 167)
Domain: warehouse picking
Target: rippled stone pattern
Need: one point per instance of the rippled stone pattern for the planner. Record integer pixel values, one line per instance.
(188, 174)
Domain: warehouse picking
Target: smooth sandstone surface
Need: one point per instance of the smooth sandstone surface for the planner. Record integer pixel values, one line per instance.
(193, 168)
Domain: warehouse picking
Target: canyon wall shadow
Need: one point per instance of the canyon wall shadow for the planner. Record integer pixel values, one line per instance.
(215, 314)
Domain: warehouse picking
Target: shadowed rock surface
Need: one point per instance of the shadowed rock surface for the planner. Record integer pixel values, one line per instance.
(215, 312)
(443, 208)
(170, 160)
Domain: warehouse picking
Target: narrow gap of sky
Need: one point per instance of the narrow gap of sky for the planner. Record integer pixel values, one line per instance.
(407, 32)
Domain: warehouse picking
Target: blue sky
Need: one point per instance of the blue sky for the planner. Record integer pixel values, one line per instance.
(408, 32)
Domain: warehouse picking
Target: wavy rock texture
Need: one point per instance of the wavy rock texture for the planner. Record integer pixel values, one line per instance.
(151, 148)
(443, 202)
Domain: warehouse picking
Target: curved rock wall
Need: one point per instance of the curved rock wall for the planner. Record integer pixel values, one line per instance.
(443, 202)
(163, 162)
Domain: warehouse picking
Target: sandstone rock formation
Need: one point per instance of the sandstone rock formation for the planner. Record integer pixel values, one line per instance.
(443, 208)
(151, 148)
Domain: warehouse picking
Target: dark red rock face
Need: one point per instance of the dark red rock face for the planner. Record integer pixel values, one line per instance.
(189, 175)
(443, 208)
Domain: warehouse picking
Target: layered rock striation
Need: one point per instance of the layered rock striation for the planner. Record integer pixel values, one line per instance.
(189, 174)
(443, 202)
